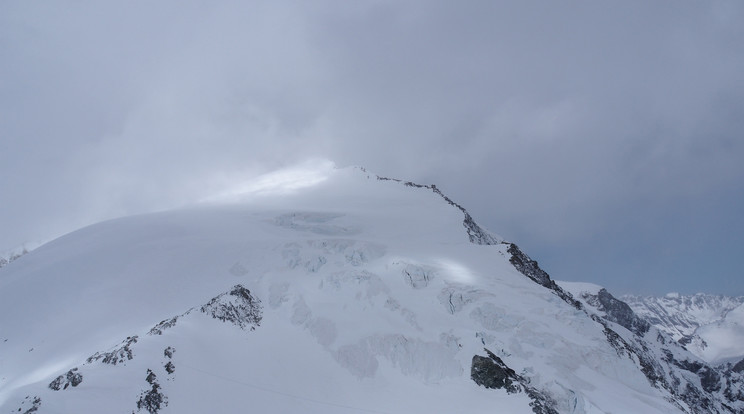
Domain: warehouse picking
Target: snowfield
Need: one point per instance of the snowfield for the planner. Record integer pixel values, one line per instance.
(347, 294)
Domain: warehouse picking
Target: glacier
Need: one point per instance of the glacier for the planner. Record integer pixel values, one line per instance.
(349, 293)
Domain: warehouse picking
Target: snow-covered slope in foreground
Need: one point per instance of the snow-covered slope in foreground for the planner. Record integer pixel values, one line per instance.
(355, 294)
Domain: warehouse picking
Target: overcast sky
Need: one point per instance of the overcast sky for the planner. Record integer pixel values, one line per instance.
(605, 138)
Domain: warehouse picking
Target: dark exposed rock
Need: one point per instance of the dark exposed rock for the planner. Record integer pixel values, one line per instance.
(527, 266)
(35, 404)
(492, 372)
(541, 403)
(152, 400)
(121, 354)
(168, 352)
(685, 340)
(238, 307)
(169, 367)
(163, 325)
(530, 268)
(72, 377)
(618, 312)
(476, 234)
(734, 386)
(739, 367)
(710, 379)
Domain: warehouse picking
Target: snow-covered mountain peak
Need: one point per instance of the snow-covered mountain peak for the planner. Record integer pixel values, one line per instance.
(356, 293)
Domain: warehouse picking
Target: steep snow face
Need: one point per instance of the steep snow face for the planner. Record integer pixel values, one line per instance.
(710, 326)
(347, 294)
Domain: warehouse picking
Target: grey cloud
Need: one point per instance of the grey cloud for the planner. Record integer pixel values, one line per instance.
(553, 122)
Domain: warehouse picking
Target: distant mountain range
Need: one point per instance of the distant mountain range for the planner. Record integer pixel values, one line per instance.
(709, 326)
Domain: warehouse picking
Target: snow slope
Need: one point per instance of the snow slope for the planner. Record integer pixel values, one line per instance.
(348, 294)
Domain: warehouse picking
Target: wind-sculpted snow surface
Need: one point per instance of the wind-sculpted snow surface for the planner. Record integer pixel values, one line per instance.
(357, 295)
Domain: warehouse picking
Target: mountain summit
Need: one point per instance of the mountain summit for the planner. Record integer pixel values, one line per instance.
(355, 294)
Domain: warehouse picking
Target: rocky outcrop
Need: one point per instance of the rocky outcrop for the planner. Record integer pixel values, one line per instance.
(739, 367)
(237, 306)
(618, 312)
(170, 368)
(532, 270)
(491, 372)
(163, 325)
(153, 399)
(120, 354)
(33, 403)
(72, 377)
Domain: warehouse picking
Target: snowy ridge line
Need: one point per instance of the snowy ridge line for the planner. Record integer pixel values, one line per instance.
(528, 267)
(523, 263)
(11, 257)
(476, 233)
(284, 394)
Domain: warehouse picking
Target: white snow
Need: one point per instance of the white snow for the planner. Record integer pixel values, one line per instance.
(374, 300)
